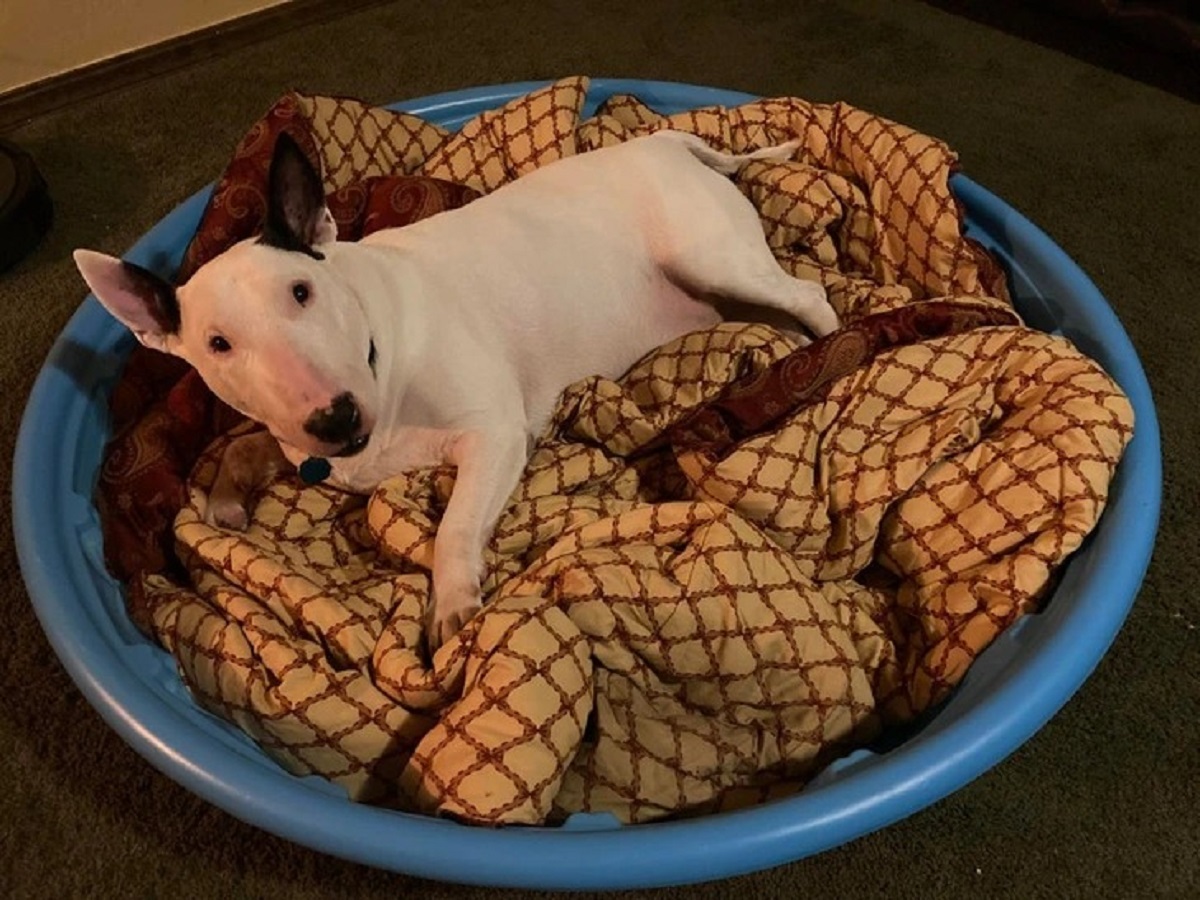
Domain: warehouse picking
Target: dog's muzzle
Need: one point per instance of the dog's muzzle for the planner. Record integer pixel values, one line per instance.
(339, 425)
(354, 446)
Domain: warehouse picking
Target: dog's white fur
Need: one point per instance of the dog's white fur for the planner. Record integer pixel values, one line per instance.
(456, 335)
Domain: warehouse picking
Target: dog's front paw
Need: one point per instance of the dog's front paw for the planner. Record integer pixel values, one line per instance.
(225, 512)
(819, 314)
(451, 608)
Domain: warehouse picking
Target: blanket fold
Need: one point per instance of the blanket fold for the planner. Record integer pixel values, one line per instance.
(720, 571)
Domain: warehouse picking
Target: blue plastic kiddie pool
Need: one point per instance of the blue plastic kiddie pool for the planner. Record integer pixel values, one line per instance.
(1010, 692)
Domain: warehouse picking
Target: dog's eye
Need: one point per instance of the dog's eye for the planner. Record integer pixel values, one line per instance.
(218, 344)
(300, 292)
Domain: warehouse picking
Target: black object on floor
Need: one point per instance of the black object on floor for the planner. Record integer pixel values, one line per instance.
(25, 207)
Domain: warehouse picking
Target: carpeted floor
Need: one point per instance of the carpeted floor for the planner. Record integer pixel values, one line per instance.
(1102, 803)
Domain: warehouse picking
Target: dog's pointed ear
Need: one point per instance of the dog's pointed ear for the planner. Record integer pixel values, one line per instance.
(297, 218)
(139, 299)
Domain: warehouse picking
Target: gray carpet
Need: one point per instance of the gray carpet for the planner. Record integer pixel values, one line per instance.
(1101, 803)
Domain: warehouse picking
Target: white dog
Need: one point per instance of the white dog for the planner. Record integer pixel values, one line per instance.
(450, 340)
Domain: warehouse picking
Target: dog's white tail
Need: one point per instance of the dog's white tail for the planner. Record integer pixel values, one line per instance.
(729, 163)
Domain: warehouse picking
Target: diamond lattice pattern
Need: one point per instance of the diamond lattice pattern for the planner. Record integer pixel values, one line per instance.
(673, 623)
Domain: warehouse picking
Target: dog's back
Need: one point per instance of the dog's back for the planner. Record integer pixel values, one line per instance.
(579, 268)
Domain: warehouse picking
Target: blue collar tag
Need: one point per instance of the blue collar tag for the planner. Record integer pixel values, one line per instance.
(314, 470)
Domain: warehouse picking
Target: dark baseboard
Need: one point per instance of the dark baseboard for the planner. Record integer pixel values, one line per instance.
(1171, 63)
(29, 101)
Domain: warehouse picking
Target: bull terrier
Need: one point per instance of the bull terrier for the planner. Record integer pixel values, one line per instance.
(451, 339)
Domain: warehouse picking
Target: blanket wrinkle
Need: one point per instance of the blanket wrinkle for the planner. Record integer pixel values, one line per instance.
(719, 572)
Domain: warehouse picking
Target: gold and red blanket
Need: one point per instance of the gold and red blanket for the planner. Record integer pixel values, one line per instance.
(738, 561)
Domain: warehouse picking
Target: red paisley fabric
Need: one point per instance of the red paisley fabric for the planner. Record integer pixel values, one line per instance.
(755, 405)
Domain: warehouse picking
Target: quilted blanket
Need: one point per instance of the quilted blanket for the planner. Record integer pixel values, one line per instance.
(718, 573)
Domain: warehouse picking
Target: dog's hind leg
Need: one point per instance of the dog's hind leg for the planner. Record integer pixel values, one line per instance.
(719, 251)
(750, 274)
(773, 288)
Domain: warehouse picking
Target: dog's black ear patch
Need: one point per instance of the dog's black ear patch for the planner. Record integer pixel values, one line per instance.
(295, 200)
(157, 294)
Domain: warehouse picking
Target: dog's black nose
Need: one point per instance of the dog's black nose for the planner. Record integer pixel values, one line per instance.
(339, 424)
